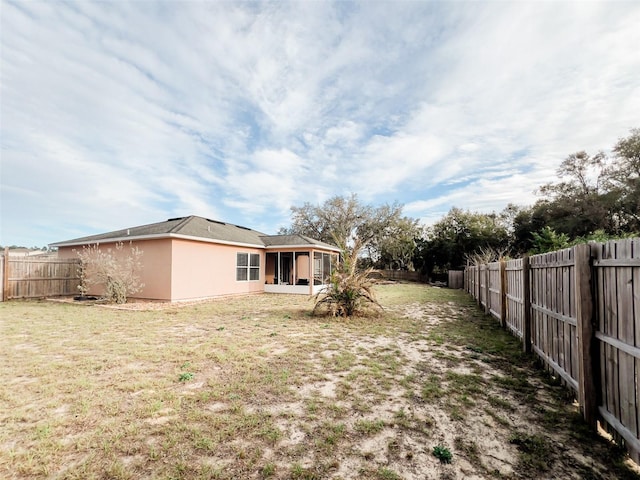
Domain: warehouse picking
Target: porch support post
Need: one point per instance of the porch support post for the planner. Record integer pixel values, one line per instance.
(311, 253)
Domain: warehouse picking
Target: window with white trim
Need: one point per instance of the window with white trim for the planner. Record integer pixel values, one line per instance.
(247, 267)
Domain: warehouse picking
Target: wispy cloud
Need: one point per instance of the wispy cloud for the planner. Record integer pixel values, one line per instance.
(117, 114)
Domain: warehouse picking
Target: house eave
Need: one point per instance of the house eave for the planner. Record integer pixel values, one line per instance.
(160, 236)
(308, 246)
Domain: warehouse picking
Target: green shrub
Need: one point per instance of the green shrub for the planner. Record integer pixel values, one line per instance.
(442, 453)
(349, 288)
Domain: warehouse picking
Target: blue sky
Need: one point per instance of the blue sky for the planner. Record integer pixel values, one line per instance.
(118, 114)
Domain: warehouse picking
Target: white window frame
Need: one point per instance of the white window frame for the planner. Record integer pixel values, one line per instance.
(250, 269)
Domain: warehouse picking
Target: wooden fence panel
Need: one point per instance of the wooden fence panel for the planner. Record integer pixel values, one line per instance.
(29, 277)
(553, 320)
(2, 284)
(514, 292)
(483, 286)
(494, 290)
(456, 279)
(472, 281)
(617, 265)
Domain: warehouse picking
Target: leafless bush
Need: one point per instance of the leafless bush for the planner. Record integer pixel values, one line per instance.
(114, 268)
(486, 255)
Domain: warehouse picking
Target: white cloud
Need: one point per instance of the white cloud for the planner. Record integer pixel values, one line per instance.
(115, 114)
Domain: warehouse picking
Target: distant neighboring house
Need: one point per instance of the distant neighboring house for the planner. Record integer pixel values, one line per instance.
(190, 258)
(27, 252)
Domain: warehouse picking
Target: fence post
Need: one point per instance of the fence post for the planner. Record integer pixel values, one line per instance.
(585, 334)
(526, 306)
(503, 293)
(487, 293)
(5, 275)
(464, 279)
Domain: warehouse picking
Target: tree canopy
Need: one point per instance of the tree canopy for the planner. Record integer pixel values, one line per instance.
(383, 232)
(594, 195)
(623, 181)
(459, 234)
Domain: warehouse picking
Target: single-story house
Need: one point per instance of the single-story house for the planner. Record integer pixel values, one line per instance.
(189, 258)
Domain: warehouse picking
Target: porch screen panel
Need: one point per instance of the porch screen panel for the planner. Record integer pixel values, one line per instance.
(323, 265)
(317, 268)
(326, 267)
(272, 268)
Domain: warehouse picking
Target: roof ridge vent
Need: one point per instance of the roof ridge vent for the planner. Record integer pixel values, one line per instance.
(244, 228)
(175, 219)
(215, 221)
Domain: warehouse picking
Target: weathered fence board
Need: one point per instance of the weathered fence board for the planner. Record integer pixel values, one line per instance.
(472, 281)
(3, 291)
(514, 293)
(494, 289)
(483, 284)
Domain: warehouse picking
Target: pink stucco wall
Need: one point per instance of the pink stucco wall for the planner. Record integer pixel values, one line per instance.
(156, 271)
(202, 270)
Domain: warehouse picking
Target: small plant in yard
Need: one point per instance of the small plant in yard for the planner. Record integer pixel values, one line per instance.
(268, 470)
(186, 376)
(369, 427)
(387, 474)
(349, 288)
(442, 453)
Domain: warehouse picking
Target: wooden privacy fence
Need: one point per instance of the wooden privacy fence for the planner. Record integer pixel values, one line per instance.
(402, 275)
(578, 310)
(38, 277)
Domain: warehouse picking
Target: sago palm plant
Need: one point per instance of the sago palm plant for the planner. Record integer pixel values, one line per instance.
(348, 288)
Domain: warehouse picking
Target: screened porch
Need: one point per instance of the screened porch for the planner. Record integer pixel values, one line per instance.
(302, 272)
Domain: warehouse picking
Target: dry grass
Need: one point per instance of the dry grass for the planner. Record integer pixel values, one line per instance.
(258, 388)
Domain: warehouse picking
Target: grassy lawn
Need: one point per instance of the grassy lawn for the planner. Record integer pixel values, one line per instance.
(256, 387)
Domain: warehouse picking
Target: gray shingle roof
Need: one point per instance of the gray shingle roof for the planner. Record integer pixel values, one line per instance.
(191, 226)
(293, 240)
(197, 227)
